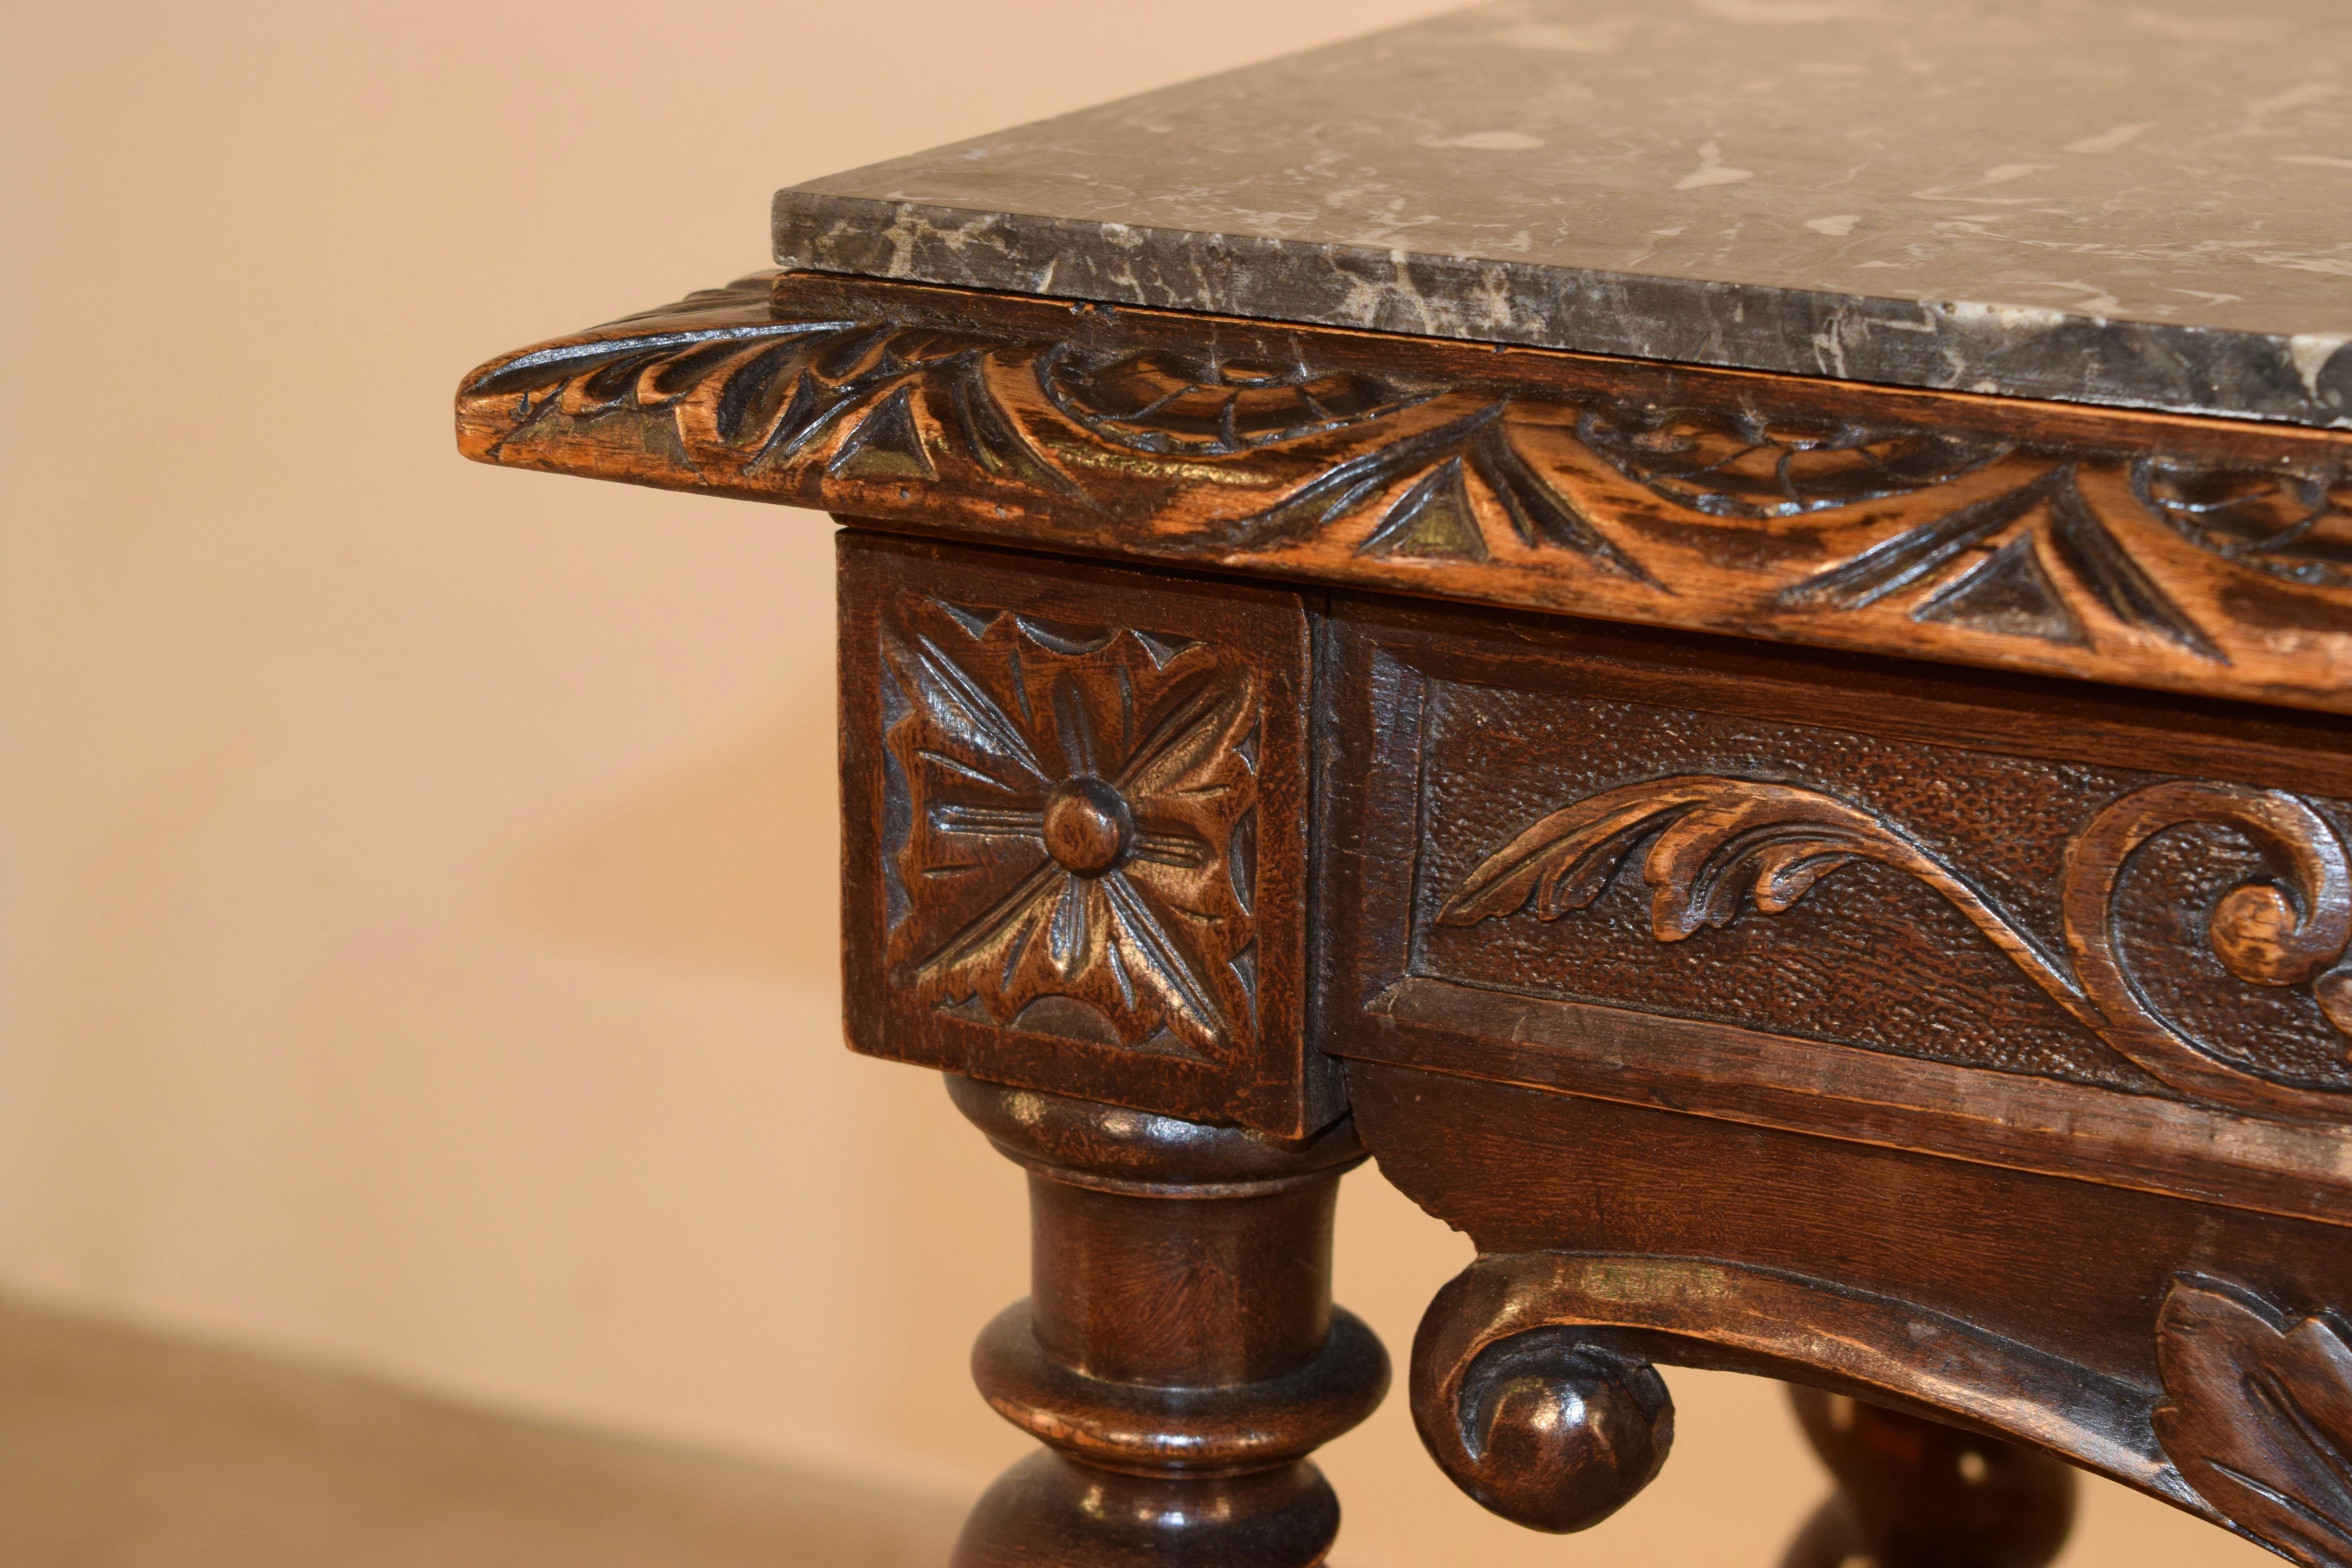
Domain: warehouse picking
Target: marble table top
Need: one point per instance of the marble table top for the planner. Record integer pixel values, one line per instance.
(2140, 204)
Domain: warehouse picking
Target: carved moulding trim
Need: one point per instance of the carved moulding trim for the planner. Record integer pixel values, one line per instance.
(2012, 1121)
(1718, 840)
(1698, 1312)
(1530, 1364)
(2151, 550)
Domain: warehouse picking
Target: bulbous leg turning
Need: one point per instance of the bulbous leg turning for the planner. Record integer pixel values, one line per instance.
(1914, 1493)
(1179, 1354)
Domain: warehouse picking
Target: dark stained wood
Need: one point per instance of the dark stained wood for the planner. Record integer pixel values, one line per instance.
(1074, 802)
(1973, 1051)
(1178, 1353)
(1879, 1214)
(1547, 1430)
(1966, 1042)
(2258, 1413)
(1802, 1086)
(2059, 1116)
(1715, 843)
(1918, 1494)
(1540, 816)
(2028, 1309)
(2187, 554)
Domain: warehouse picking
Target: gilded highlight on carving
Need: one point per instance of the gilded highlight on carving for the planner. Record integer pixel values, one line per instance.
(1715, 841)
(1843, 516)
(1072, 813)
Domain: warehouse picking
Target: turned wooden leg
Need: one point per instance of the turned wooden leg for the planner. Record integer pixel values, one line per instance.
(1914, 1493)
(1180, 1354)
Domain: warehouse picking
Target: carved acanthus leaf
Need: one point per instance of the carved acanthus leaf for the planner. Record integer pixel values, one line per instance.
(2297, 526)
(1434, 518)
(2258, 1415)
(2048, 510)
(874, 402)
(1157, 403)
(1713, 839)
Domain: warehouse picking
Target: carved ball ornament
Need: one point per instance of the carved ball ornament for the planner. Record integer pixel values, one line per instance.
(1556, 1435)
(1088, 828)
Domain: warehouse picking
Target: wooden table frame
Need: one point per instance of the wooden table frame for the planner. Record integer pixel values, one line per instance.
(1831, 881)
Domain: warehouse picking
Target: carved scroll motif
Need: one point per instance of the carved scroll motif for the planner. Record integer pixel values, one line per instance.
(1074, 812)
(1538, 481)
(1719, 841)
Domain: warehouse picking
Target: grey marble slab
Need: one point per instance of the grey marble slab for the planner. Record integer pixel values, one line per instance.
(2147, 204)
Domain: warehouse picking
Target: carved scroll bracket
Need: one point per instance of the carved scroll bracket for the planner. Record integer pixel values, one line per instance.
(1531, 1386)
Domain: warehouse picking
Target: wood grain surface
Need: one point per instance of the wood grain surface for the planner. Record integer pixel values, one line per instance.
(1913, 1493)
(1882, 1015)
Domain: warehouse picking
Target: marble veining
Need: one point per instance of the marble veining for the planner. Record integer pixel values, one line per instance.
(2144, 205)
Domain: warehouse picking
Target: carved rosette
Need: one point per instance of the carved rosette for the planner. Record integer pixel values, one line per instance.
(2149, 550)
(1076, 800)
(1716, 845)
(1079, 807)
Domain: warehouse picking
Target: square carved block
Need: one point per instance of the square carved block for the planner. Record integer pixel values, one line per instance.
(1074, 830)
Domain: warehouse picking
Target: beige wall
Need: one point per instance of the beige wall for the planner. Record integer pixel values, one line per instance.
(416, 880)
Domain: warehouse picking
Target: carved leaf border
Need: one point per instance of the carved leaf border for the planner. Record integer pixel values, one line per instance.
(746, 395)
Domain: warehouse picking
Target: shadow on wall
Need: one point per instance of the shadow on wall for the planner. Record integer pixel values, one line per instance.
(731, 861)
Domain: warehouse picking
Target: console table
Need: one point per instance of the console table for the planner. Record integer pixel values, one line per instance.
(1719, 633)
